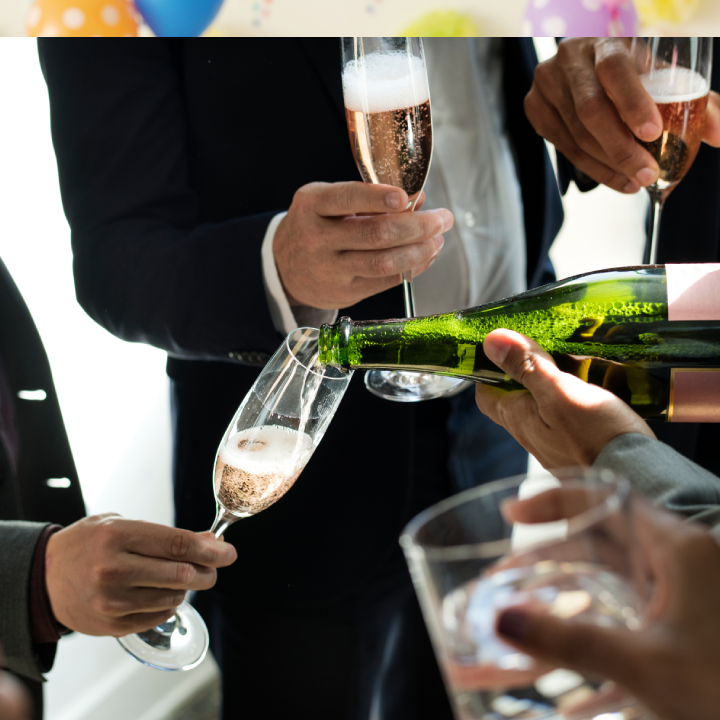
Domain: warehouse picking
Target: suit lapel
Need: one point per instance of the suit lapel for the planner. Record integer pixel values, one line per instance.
(324, 56)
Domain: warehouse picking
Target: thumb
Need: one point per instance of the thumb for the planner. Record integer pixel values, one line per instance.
(522, 359)
(611, 653)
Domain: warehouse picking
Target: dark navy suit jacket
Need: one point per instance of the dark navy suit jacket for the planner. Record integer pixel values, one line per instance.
(173, 157)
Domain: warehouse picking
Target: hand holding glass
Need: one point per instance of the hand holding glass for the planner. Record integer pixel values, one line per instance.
(469, 562)
(676, 74)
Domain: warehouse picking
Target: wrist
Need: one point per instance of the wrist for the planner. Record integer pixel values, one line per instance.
(44, 627)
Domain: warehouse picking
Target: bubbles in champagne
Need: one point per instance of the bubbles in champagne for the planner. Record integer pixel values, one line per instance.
(670, 85)
(256, 467)
(381, 82)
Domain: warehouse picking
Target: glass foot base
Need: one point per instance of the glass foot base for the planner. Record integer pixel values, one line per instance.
(401, 386)
(181, 643)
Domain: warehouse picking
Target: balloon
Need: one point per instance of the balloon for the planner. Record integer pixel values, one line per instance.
(443, 23)
(654, 12)
(82, 18)
(178, 18)
(578, 18)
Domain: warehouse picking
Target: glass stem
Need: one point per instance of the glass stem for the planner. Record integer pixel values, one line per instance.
(408, 294)
(223, 520)
(651, 244)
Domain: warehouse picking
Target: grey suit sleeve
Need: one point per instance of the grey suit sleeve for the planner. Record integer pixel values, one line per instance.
(664, 476)
(17, 547)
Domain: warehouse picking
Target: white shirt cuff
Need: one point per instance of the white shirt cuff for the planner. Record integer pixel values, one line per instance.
(286, 319)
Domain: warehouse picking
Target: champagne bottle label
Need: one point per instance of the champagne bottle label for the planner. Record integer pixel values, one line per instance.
(694, 395)
(693, 291)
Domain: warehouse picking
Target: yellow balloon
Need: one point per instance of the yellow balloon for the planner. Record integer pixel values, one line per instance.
(652, 12)
(82, 18)
(443, 23)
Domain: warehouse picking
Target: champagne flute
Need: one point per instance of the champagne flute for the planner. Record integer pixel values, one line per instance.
(675, 71)
(469, 563)
(269, 441)
(387, 107)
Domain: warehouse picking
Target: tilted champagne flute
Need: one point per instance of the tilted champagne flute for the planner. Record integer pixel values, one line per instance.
(387, 107)
(263, 451)
(675, 71)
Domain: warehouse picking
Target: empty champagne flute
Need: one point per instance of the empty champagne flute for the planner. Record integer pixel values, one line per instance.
(387, 107)
(469, 562)
(675, 71)
(270, 439)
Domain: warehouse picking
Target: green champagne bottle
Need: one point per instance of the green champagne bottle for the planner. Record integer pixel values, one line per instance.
(649, 334)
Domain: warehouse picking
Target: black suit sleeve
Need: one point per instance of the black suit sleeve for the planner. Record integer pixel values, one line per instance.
(145, 267)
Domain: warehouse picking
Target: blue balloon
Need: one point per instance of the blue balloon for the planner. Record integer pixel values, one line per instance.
(178, 18)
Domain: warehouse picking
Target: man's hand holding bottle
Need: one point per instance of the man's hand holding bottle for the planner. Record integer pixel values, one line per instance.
(560, 419)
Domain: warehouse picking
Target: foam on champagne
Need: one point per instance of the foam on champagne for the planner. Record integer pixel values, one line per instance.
(671, 85)
(257, 466)
(381, 82)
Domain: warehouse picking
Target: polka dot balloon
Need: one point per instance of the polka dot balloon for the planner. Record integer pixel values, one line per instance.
(578, 18)
(82, 18)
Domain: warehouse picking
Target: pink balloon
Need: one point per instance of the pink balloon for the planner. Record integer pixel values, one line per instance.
(580, 18)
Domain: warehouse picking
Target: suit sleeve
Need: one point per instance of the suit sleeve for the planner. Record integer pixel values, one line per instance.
(664, 476)
(17, 548)
(145, 267)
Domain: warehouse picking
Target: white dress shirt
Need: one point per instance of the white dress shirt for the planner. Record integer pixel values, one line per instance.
(472, 174)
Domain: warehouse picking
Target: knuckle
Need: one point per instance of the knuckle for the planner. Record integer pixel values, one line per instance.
(184, 573)
(346, 197)
(589, 106)
(564, 51)
(383, 264)
(429, 225)
(625, 155)
(179, 544)
(612, 61)
(103, 604)
(209, 554)
(526, 365)
(106, 575)
(111, 533)
(377, 232)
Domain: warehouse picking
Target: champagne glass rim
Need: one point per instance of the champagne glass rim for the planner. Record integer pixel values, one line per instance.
(330, 373)
(617, 485)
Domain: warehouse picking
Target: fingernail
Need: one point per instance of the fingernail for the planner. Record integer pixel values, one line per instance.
(647, 176)
(439, 242)
(649, 131)
(512, 624)
(392, 200)
(495, 351)
(631, 187)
